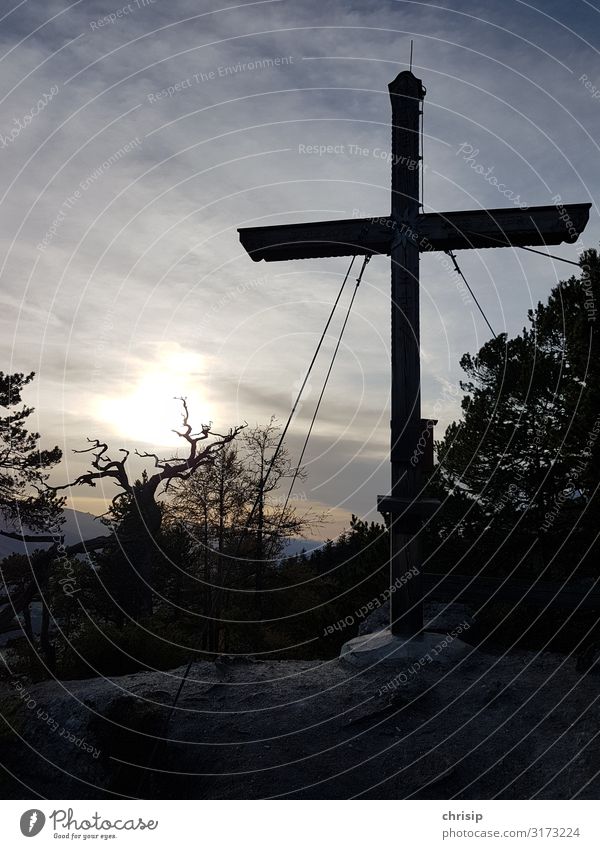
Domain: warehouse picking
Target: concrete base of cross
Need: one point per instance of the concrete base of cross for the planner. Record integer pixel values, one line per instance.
(410, 653)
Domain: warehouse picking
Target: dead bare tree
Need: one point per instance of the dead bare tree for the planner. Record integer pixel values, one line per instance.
(137, 505)
(134, 536)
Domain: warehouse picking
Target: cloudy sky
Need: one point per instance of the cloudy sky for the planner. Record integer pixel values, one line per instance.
(123, 280)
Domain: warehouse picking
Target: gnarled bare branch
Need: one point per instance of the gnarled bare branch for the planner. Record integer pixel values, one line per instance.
(168, 469)
(105, 467)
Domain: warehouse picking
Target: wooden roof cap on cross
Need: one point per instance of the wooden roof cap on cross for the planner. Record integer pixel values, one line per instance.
(403, 235)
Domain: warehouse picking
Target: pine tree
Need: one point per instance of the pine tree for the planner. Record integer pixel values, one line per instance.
(25, 502)
(519, 469)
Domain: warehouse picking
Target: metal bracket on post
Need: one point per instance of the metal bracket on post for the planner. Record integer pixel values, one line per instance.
(408, 515)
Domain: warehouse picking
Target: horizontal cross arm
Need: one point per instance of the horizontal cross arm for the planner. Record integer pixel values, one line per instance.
(439, 231)
(497, 228)
(345, 237)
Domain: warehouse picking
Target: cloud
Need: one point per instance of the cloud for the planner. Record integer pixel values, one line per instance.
(143, 251)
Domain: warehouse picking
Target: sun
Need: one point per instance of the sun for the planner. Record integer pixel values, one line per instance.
(150, 410)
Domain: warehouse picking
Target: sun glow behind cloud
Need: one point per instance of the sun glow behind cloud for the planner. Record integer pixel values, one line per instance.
(149, 409)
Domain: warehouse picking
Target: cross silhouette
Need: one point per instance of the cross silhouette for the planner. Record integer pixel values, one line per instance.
(404, 235)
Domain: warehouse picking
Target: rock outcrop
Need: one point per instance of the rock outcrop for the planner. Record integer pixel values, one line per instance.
(509, 726)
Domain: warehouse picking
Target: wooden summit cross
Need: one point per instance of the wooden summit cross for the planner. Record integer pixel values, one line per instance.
(402, 235)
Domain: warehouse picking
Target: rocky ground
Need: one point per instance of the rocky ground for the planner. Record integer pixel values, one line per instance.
(513, 726)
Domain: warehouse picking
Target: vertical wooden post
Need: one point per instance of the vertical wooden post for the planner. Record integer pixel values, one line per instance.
(406, 607)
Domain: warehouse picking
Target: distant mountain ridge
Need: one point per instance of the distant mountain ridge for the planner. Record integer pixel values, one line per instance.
(78, 526)
(297, 546)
